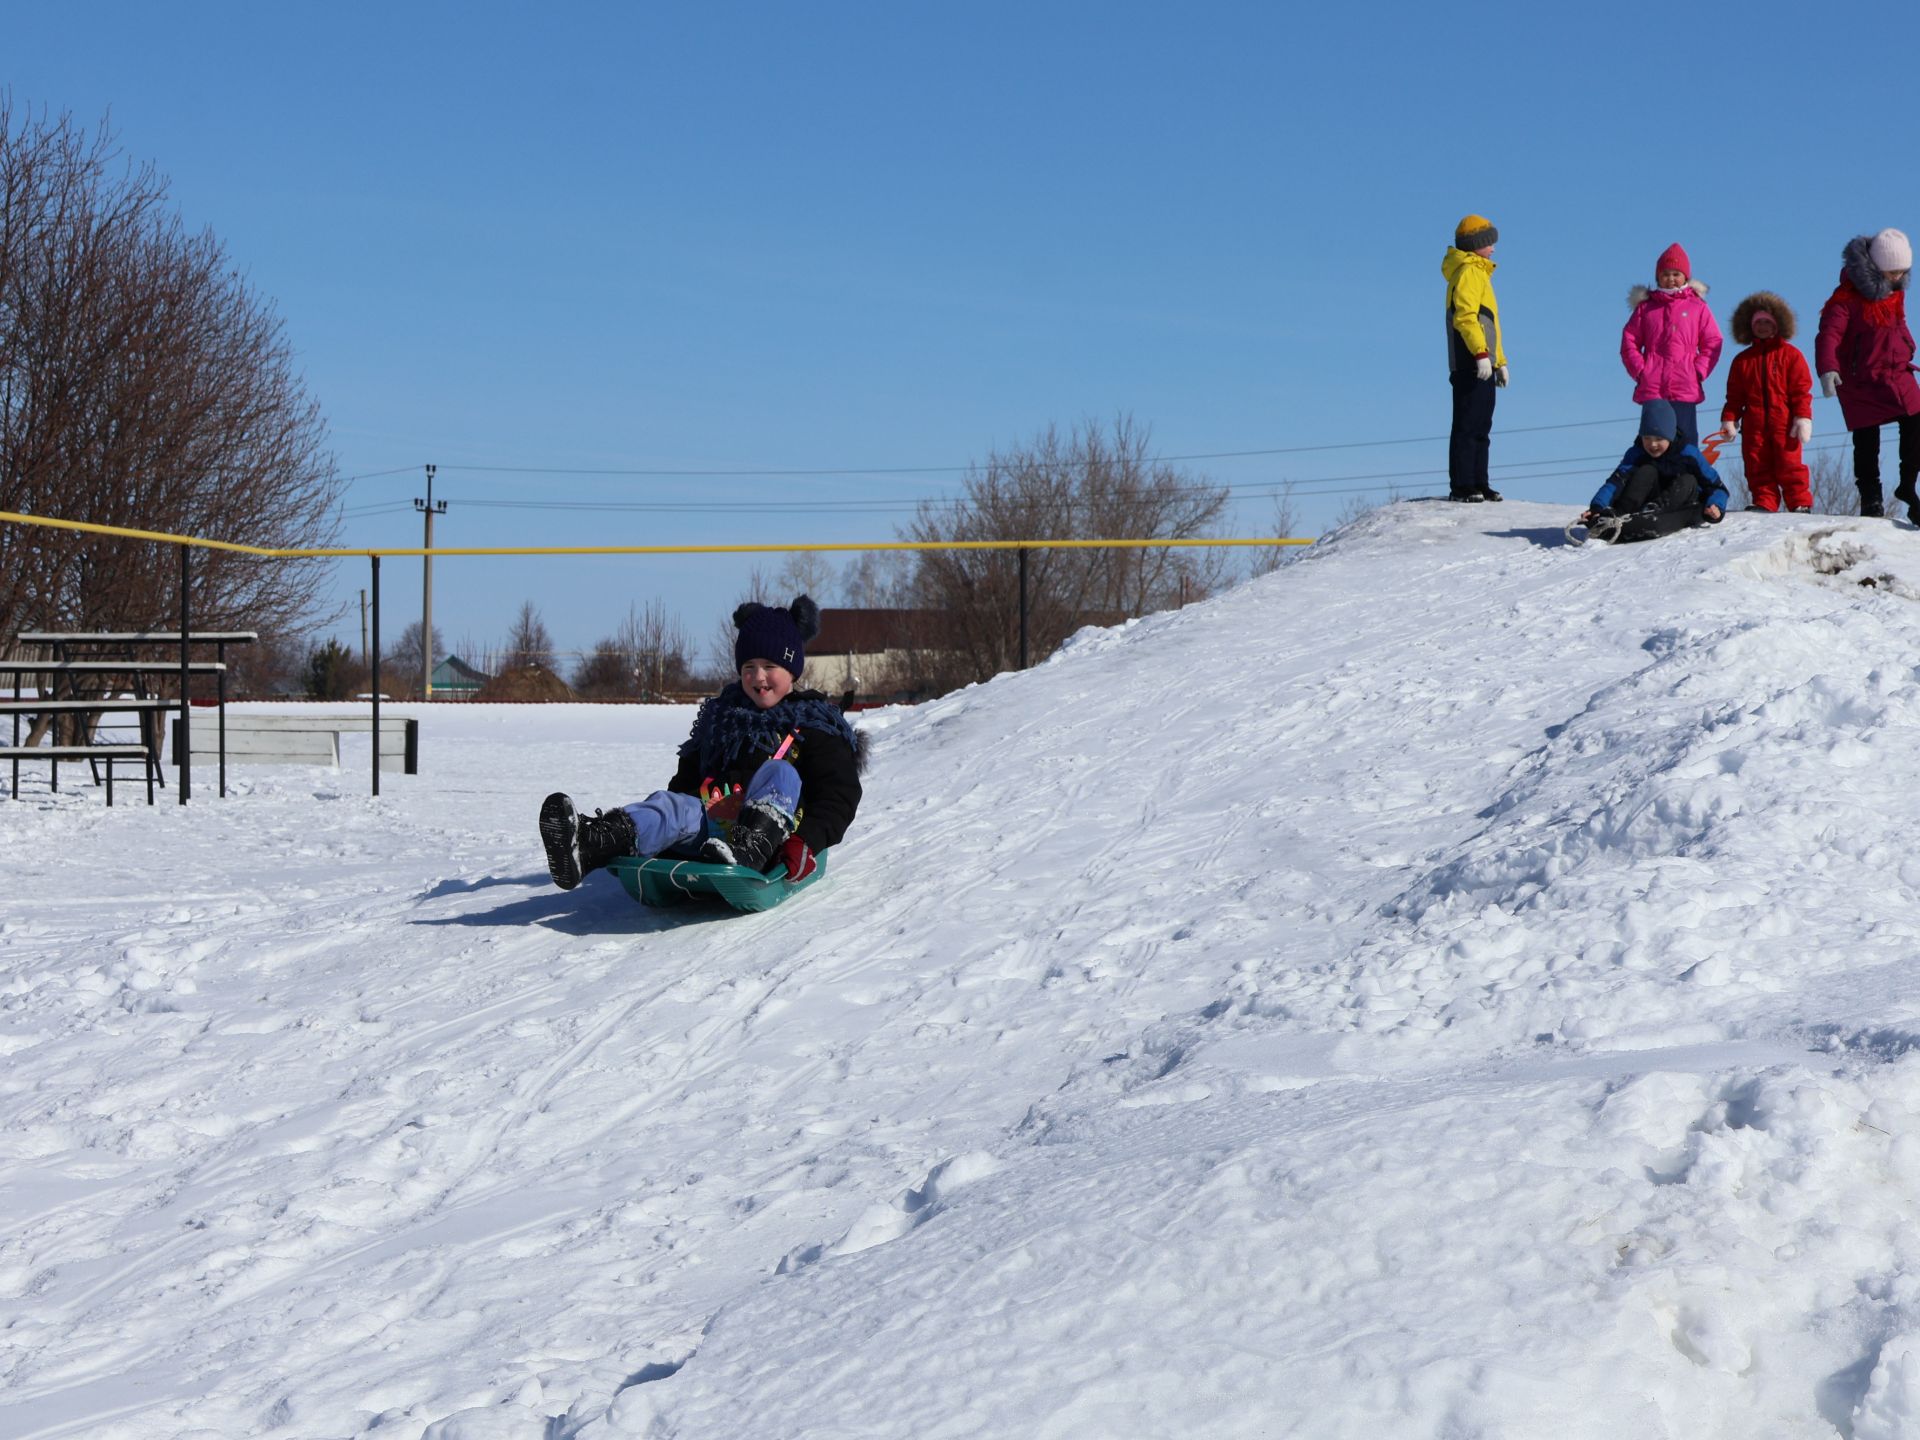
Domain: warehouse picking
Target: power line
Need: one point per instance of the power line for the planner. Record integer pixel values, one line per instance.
(964, 469)
(1308, 487)
(789, 472)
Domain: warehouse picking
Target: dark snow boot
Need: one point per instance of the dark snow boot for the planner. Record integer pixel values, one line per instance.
(576, 847)
(1870, 505)
(1905, 493)
(759, 832)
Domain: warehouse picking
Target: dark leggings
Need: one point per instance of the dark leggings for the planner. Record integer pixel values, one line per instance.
(1645, 490)
(1866, 453)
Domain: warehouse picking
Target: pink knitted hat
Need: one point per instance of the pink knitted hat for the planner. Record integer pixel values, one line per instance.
(1674, 258)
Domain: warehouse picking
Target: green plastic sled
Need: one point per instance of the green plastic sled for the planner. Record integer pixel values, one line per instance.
(661, 881)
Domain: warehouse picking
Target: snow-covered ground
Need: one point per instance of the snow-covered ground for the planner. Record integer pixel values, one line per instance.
(1457, 986)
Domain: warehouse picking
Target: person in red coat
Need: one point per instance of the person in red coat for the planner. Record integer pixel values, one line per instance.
(1865, 354)
(1770, 404)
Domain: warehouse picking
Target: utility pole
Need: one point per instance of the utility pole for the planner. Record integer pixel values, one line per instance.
(429, 509)
(363, 625)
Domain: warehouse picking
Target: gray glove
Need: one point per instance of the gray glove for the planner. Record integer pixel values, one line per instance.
(1483, 368)
(1500, 377)
(1830, 383)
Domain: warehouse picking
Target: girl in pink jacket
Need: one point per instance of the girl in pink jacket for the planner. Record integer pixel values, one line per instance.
(1671, 343)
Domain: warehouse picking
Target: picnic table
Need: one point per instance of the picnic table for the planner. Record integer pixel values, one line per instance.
(100, 655)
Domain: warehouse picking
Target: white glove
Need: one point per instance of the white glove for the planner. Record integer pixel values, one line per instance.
(1802, 431)
(1730, 427)
(1483, 368)
(1500, 377)
(1829, 383)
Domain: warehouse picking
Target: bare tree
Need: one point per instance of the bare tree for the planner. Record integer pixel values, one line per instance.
(879, 580)
(1094, 482)
(1267, 560)
(1363, 504)
(1830, 472)
(400, 661)
(646, 656)
(720, 666)
(806, 572)
(144, 385)
(528, 645)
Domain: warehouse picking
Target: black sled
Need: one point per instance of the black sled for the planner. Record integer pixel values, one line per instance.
(1625, 529)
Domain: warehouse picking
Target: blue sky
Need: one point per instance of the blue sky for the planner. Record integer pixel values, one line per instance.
(786, 237)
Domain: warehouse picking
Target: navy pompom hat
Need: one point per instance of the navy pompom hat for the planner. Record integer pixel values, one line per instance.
(1657, 419)
(777, 635)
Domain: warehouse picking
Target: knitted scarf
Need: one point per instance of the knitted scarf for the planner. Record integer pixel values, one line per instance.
(730, 725)
(1880, 303)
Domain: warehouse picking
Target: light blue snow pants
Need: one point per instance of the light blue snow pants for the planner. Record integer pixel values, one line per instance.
(668, 820)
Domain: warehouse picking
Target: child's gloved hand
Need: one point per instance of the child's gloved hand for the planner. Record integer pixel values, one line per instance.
(798, 859)
(1802, 431)
(1483, 367)
(1500, 377)
(1730, 427)
(1830, 383)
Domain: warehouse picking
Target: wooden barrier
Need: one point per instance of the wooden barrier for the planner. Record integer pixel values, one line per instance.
(307, 740)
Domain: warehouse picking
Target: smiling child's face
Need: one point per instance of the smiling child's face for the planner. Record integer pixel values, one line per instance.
(766, 683)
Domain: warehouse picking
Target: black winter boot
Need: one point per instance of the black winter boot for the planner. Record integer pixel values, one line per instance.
(576, 847)
(757, 834)
(1870, 505)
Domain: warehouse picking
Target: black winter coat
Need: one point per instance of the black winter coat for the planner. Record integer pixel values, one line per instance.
(732, 737)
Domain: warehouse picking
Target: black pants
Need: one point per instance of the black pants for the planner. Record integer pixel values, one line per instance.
(1644, 489)
(1866, 455)
(1686, 422)
(1469, 444)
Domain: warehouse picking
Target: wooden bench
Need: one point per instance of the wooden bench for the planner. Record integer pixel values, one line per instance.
(309, 740)
(20, 708)
(54, 754)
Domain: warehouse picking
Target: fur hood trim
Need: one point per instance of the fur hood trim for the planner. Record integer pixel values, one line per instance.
(1762, 300)
(1641, 293)
(1858, 270)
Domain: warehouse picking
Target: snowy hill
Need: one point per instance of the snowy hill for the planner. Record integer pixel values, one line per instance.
(1457, 986)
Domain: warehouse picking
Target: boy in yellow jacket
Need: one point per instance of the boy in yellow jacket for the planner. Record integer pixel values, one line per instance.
(1476, 363)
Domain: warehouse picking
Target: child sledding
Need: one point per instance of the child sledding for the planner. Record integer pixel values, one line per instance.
(769, 773)
(1659, 486)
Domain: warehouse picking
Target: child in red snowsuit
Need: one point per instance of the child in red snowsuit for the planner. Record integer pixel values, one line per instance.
(1770, 404)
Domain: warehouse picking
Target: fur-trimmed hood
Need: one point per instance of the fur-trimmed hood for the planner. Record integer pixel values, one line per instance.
(1744, 312)
(1858, 270)
(1641, 293)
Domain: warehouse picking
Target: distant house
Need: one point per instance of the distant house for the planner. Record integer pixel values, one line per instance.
(454, 679)
(865, 650)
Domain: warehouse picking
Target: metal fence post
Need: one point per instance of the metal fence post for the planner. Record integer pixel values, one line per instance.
(376, 673)
(1023, 607)
(186, 676)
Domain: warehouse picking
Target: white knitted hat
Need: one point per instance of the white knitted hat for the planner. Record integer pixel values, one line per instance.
(1891, 250)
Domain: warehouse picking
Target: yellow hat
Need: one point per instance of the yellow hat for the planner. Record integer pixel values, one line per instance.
(1474, 233)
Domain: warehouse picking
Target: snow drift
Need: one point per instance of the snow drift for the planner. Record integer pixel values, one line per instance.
(1454, 986)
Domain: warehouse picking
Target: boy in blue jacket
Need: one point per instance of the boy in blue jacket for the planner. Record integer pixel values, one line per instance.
(1657, 475)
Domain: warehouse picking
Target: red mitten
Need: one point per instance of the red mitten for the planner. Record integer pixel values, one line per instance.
(797, 858)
